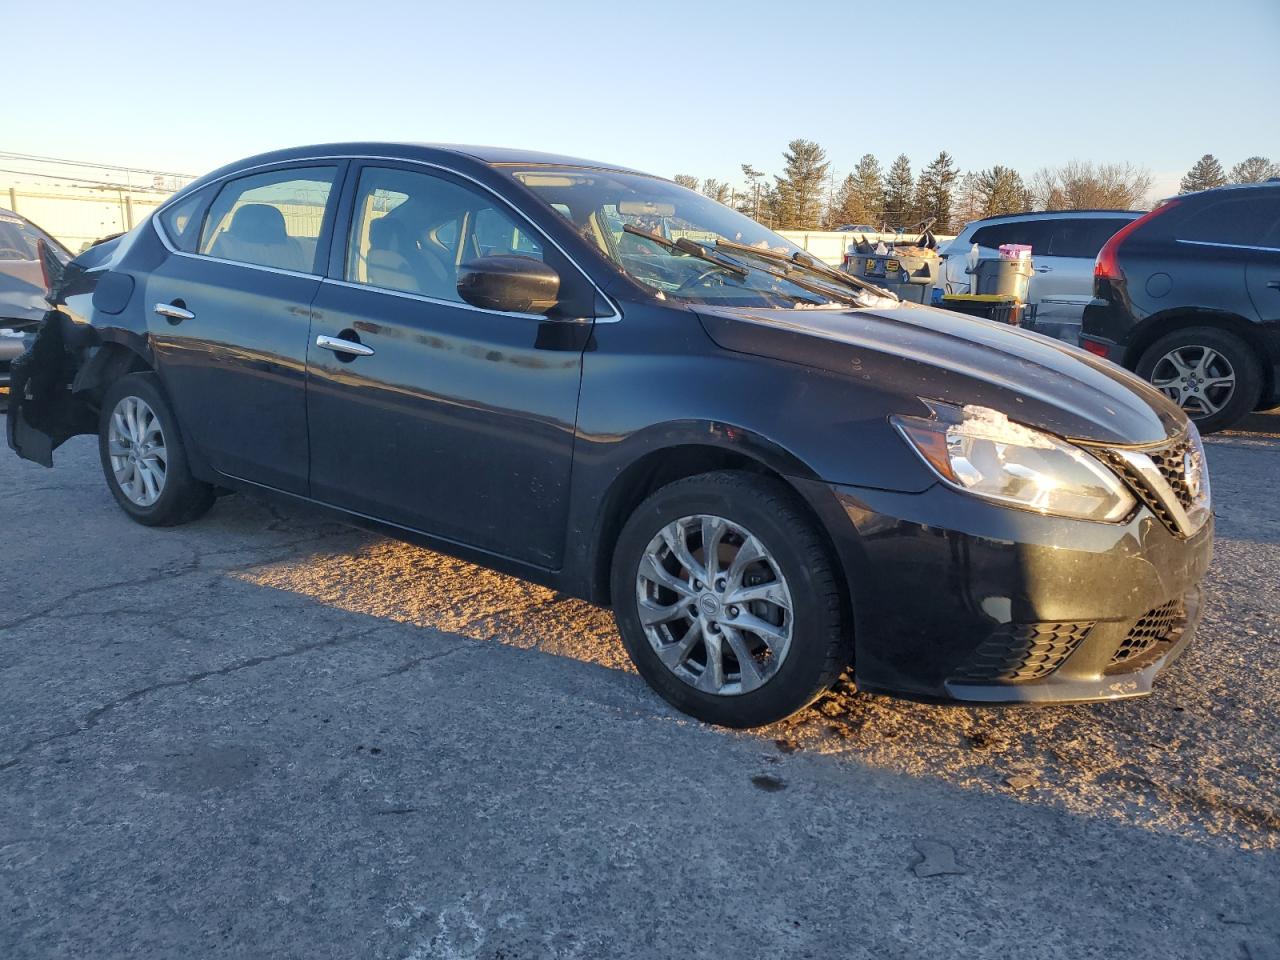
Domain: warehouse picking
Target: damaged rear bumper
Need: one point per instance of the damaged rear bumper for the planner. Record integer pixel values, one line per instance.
(44, 408)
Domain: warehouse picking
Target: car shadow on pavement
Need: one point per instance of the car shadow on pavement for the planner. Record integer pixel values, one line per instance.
(1172, 762)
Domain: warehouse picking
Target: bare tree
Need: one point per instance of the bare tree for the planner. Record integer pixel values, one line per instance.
(1254, 170)
(1085, 185)
(685, 180)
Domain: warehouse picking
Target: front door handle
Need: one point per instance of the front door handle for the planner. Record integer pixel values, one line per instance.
(339, 345)
(174, 312)
(1274, 284)
(1044, 269)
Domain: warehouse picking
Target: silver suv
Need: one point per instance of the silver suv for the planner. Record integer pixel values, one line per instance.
(1063, 246)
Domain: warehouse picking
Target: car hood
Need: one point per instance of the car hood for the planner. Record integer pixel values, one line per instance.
(922, 352)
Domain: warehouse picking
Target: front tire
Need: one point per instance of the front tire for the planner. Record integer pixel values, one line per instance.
(728, 599)
(1211, 373)
(143, 458)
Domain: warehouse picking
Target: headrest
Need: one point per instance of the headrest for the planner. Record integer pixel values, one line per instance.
(387, 233)
(259, 223)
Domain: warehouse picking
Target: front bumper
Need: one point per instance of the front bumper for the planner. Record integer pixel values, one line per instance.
(959, 599)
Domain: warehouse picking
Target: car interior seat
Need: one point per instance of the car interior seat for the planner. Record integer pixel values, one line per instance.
(257, 234)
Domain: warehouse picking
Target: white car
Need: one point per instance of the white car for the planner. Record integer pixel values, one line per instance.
(1063, 247)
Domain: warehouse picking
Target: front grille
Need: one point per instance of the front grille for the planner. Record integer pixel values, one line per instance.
(1171, 462)
(1018, 652)
(1146, 639)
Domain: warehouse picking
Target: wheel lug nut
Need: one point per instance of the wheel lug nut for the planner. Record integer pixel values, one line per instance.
(693, 610)
(733, 611)
(697, 584)
(720, 584)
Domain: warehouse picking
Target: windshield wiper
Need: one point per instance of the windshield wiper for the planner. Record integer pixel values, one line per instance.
(813, 265)
(685, 245)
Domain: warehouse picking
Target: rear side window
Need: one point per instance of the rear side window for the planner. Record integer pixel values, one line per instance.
(1082, 237)
(1239, 220)
(1033, 233)
(270, 219)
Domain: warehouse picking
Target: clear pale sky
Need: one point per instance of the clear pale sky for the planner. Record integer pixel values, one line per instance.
(664, 86)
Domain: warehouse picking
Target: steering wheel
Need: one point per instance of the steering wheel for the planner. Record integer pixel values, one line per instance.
(706, 274)
(13, 253)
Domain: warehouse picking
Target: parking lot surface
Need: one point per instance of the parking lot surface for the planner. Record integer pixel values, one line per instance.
(263, 735)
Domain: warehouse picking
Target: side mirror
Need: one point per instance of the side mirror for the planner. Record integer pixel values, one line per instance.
(512, 284)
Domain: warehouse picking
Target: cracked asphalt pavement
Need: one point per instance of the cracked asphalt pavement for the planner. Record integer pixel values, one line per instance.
(264, 735)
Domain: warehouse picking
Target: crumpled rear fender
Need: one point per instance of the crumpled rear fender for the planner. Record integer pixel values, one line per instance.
(45, 409)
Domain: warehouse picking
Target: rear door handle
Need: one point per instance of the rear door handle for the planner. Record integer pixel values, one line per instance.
(1044, 269)
(1274, 284)
(175, 312)
(339, 345)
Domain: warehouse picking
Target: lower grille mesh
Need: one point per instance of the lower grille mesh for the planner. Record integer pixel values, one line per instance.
(1023, 651)
(1158, 626)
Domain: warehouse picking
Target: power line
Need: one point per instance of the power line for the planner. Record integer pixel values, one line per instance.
(33, 158)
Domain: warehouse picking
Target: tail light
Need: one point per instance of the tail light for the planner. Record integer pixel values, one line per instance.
(1097, 349)
(42, 254)
(1107, 265)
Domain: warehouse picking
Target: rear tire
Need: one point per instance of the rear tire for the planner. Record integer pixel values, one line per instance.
(143, 458)
(1175, 366)
(793, 628)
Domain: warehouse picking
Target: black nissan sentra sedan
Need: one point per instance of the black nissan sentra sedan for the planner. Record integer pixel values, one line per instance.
(597, 380)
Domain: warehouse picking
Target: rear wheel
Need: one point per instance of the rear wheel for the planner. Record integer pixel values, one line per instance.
(1212, 374)
(728, 600)
(143, 457)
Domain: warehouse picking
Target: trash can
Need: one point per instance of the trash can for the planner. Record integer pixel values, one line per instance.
(911, 275)
(993, 307)
(1003, 278)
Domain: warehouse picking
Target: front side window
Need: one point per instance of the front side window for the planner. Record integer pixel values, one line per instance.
(639, 222)
(412, 231)
(270, 219)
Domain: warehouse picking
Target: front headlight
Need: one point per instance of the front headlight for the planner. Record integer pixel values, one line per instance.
(983, 452)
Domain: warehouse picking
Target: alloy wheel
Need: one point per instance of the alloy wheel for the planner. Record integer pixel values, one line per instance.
(714, 605)
(1197, 378)
(135, 445)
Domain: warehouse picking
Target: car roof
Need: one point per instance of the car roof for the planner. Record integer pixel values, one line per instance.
(1042, 214)
(1271, 184)
(493, 156)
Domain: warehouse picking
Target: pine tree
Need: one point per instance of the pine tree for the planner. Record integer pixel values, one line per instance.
(899, 208)
(966, 202)
(860, 198)
(799, 189)
(1000, 190)
(717, 190)
(685, 180)
(1204, 174)
(1254, 170)
(751, 202)
(933, 193)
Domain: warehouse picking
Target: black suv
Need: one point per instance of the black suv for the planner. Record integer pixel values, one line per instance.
(1189, 298)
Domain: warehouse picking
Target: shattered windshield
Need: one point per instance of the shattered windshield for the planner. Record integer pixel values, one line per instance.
(682, 244)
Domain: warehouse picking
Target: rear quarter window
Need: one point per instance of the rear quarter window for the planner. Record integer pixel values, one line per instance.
(181, 220)
(1243, 220)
